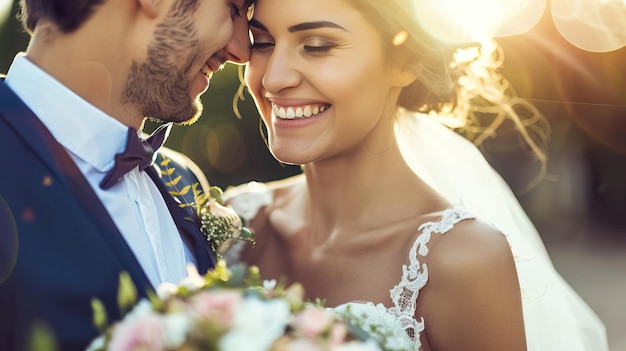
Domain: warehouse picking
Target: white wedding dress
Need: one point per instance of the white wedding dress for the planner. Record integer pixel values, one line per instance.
(555, 317)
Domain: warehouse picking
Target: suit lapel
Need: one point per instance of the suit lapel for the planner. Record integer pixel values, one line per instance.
(188, 226)
(64, 170)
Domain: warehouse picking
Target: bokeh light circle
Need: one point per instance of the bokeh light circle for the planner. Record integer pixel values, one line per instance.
(458, 21)
(591, 25)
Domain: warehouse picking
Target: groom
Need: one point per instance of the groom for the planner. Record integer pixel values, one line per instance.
(80, 200)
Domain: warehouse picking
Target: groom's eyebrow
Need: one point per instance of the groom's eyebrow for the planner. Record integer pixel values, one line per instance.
(301, 26)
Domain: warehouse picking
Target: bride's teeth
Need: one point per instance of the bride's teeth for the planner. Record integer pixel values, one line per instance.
(298, 112)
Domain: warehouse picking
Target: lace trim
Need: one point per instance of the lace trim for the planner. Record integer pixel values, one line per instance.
(414, 277)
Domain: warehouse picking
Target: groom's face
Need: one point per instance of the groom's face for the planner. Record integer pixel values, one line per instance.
(192, 41)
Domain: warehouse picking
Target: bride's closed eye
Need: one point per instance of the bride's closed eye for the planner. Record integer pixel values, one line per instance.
(319, 49)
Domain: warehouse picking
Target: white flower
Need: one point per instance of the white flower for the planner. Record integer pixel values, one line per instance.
(194, 280)
(269, 284)
(367, 345)
(379, 323)
(166, 290)
(257, 325)
(97, 344)
(177, 326)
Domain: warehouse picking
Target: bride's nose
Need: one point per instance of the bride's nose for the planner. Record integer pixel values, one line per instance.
(281, 73)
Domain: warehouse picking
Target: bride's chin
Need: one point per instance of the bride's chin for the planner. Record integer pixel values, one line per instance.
(287, 158)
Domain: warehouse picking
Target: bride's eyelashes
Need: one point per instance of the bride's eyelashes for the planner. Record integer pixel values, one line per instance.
(309, 49)
(318, 50)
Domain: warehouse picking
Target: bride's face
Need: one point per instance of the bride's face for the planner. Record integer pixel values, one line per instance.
(320, 78)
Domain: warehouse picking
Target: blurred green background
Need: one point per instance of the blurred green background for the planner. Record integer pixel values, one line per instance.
(579, 207)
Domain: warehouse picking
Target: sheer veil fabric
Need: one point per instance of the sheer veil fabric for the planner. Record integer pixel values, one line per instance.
(556, 317)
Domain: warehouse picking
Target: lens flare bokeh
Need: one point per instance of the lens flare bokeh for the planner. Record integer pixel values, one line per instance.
(592, 25)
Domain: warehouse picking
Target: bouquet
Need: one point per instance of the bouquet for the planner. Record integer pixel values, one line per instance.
(228, 309)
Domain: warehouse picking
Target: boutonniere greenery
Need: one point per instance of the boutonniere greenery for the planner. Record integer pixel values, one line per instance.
(219, 223)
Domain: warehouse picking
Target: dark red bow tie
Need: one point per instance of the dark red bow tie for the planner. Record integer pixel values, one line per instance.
(138, 152)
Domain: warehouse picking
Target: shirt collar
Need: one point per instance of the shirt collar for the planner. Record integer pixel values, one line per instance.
(84, 130)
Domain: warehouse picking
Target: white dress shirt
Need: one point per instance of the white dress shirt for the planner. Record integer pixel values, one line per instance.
(92, 138)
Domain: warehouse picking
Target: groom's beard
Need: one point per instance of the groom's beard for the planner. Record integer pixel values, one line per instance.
(160, 86)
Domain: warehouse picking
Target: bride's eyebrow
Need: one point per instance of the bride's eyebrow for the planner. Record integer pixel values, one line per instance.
(301, 26)
(315, 25)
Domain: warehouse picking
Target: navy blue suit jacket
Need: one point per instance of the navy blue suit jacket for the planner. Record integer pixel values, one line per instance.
(58, 246)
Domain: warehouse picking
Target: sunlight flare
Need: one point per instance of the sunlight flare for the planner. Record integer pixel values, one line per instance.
(592, 25)
(457, 21)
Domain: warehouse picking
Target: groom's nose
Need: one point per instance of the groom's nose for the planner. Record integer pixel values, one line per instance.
(238, 48)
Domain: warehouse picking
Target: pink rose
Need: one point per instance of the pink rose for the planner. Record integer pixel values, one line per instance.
(312, 322)
(338, 334)
(217, 307)
(146, 332)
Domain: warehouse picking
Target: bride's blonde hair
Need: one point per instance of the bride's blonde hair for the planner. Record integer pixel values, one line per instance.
(460, 85)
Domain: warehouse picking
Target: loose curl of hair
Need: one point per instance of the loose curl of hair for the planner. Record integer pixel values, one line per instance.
(461, 85)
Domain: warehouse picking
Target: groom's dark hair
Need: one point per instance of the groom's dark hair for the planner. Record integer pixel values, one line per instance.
(68, 15)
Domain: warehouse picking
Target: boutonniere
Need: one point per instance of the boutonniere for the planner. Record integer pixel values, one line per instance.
(219, 223)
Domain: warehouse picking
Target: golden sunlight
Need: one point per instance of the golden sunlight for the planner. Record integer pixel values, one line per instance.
(461, 20)
(592, 25)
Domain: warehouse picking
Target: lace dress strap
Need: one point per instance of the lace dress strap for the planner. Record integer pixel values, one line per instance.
(415, 275)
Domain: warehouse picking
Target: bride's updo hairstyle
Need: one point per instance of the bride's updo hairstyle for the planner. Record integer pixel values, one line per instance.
(427, 58)
(459, 84)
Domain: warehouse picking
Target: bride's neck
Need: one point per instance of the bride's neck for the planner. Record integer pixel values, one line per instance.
(361, 192)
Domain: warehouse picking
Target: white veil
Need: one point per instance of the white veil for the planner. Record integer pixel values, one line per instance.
(556, 318)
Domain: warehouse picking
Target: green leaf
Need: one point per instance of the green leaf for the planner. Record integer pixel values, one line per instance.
(126, 294)
(42, 338)
(156, 302)
(247, 235)
(99, 314)
(185, 190)
(216, 193)
(174, 181)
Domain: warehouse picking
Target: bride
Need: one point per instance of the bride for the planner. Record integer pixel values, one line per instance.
(395, 216)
